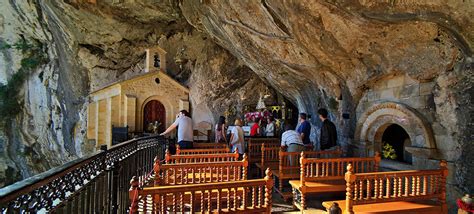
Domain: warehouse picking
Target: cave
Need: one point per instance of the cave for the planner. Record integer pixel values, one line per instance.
(397, 139)
(387, 71)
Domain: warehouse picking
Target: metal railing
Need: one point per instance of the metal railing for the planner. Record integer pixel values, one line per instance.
(94, 184)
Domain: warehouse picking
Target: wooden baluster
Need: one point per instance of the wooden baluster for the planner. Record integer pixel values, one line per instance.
(181, 201)
(167, 156)
(425, 185)
(191, 202)
(202, 201)
(268, 189)
(407, 183)
(235, 199)
(133, 195)
(413, 185)
(395, 187)
(417, 185)
(381, 195)
(400, 187)
(254, 197)
(174, 205)
(361, 188)
(218, 200)
(369, 190)
(228, 199)
(350, 178)
(245, 165)
(387, 190)
(163, 203)
(302, 180)
(259, 196)
(443, 165)
(316, 169)
(209, 202)
(376, 188)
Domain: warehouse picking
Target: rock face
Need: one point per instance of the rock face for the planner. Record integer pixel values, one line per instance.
(341, 55)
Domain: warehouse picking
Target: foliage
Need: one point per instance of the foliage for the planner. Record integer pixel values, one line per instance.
(389, 151)
(10, 101)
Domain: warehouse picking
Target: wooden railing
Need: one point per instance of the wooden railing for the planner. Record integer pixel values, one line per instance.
(201, 158)
(180, 151)
(314, 169)
(248, 196)
(365, 188)
(94, 184)
(254, 147)
(210, 146)
(193, 173)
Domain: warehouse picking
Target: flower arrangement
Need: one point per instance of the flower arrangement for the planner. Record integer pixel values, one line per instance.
(389, 151)
(249, 116)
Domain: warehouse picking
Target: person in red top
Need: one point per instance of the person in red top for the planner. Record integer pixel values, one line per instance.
(255, 129)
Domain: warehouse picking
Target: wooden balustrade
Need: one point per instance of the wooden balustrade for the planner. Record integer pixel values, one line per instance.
(254, 146)
(249, 196)
(180, 151)
(424, 189)
(210, 146)
(327, 175)
(201, 158)
(192, 173)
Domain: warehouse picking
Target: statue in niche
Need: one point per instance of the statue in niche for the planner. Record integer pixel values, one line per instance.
(156, 127)
(156, 62)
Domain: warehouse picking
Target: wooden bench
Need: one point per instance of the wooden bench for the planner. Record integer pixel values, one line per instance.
(287, 165)
(248, 196)
(201, 158)
(414, 191)
(180, 151)
(254, 146)
(192, 173)
(327, 175)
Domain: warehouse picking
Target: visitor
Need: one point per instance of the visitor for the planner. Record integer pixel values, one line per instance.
(221, 130)
(185, 131)
(328, 138)
(263, 126)
(304, 129)
(255, 129)
(291, 140)
(270, 128)
(237, 137)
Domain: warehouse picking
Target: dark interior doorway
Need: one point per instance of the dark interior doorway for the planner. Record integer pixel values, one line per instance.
(154, 111)
(398, 139)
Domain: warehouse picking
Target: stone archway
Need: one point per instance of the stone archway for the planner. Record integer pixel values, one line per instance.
(374, 121)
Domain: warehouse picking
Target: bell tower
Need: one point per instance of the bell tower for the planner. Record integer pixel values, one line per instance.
(155, 60)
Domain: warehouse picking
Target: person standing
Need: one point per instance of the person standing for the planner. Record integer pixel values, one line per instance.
(328, 138)
(291, 139)
(220, 130)
(255, 129)
(184, 123)
(270, 129)
(304, 130)
(237, 137)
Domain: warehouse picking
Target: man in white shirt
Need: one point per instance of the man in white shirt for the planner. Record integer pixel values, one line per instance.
(292, 140)
(185, 130)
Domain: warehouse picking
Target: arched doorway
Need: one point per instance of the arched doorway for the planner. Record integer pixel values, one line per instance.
(154, 111)
(394, 141)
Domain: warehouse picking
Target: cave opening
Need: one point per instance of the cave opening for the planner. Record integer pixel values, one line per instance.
(394, 141)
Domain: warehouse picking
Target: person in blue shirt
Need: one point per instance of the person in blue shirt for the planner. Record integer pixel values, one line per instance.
(304, 129)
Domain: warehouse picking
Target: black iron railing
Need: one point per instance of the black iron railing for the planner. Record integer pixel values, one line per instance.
(95, 184)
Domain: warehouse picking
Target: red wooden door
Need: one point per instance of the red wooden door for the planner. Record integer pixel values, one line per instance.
(154, 111)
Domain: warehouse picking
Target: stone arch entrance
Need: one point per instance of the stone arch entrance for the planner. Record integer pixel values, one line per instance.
(153, 111)
(394, 138)
(373, 123)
